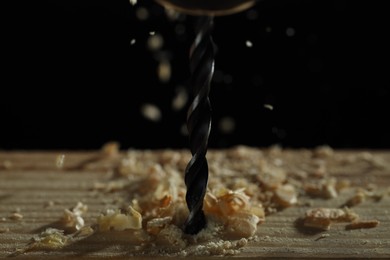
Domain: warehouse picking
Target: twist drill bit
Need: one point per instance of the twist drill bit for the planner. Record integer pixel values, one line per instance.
(199, 123)
(199, 114)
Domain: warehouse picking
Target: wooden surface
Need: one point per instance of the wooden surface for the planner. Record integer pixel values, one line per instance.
(30, 180)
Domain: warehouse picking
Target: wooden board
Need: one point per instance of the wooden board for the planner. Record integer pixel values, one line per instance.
(30, 180)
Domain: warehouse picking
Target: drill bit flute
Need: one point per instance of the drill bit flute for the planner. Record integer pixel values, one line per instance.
(199, 114)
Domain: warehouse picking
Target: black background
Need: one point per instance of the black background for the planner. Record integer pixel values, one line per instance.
(72, 80)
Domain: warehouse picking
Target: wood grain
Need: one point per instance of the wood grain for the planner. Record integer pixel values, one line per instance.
(30, 180)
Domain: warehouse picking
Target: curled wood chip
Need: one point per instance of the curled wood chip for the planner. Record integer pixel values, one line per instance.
(234, 208)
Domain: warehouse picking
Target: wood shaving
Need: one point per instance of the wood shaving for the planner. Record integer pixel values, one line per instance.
(48, 204)
(325, 235)
(60, 161)
(154, 226)
(322, 218)
(325, 188)
(110, 149)
(362, 224)
(50, 239)
(286, 195)
(374, 162)
(72, 219)
(16, 216)
(359, 197)
(115, 220)
(323, 152)
(84, 231)
(271, 177)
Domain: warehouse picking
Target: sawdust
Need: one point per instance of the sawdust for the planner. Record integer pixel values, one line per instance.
(246, 185)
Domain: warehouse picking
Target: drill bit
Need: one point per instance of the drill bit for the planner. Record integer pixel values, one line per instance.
(202, 54)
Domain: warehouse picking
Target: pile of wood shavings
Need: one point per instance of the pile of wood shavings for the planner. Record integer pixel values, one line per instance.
(245, 185)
